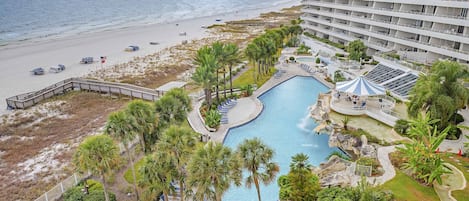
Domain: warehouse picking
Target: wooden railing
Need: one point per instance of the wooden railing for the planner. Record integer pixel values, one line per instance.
(23, 101)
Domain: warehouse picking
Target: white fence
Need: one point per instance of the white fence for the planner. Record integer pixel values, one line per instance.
(56, 192)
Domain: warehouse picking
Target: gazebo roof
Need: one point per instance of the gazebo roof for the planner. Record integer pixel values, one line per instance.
(360, 87)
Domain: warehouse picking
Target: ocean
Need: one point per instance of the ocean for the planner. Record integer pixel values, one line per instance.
(24, 20)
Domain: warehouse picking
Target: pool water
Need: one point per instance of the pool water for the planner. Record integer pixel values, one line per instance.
(306, 59)
(283, 125)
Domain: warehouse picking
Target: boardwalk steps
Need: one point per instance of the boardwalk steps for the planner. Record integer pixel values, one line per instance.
(23, 101)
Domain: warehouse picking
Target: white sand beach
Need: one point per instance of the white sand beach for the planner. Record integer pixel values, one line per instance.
(17, 60)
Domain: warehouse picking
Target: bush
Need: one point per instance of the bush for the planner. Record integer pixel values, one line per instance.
(318, 60)
(401, 126)
(453, 133)
(339, 154)
(291, 58)
(212, 118)
(339, 55)
(457, 118)
(367, 161)
(374, 62)
(95, 192)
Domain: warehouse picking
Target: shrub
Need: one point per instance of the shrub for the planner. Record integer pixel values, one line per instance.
(318, 60)
(339, 154)
(374, 62)
(291, 58)
(367, 161)
(453, 133)
(95, 192)
(339, 55)
(401, 126)
(458, 118)
(212, 118)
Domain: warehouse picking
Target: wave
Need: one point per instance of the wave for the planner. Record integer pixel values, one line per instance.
(99, 15)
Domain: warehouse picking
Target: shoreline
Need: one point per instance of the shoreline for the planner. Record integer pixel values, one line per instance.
(18, 60)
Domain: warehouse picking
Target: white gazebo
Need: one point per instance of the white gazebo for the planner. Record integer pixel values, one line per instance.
(360, 87)
(362, 97)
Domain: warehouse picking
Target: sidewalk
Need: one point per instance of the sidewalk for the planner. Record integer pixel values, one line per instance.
(247, 108)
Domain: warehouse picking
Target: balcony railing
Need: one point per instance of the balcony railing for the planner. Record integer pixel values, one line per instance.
(389, 22)
(388, 9)
(395, 36)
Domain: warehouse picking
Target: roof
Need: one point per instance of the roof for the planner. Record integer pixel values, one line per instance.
(171, 85)
(361, 87)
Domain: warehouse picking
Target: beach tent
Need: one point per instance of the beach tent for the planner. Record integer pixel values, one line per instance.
(360, 87)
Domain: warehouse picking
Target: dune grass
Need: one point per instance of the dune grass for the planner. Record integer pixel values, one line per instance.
(405, 188)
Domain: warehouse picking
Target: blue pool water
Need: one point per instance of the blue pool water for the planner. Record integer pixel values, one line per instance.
(305, 59)
(285, 127)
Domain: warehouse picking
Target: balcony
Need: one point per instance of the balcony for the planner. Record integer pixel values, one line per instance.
(456, 20)
(447, 35)
(400, 40)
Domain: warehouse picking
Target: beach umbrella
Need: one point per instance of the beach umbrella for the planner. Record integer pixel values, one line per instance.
(360, 87)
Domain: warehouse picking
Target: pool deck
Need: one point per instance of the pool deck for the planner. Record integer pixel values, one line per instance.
(248, 108)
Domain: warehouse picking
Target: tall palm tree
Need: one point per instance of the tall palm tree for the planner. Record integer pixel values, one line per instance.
(257, 160)
(179, 143)
(119, 126)
(212, 170)
(253, 53)
(440, 93)
(145, 121)
(204, 75)
(231, 51)
(217, 52)
(158, 171)
(99, 155)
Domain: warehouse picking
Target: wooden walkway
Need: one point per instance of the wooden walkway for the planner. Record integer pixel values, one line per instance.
(26, 100)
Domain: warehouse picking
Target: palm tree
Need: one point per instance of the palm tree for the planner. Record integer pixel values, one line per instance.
(158, 171)
(217, 52)
(440, 94)
(231, 51)
(168, 109)
(179, 144)
(204, 75)
(257, 160)
(182, 96)
(300, 162)
(212, 170)
(119, 126)
(253, 53)
(145, 121)
(99, 155)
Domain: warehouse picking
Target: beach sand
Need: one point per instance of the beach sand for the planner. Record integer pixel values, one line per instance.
(17, 60)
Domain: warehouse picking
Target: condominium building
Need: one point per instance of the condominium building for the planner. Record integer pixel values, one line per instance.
(419, 30)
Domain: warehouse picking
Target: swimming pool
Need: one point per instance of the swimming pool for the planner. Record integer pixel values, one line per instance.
(306, 59)
(283, 125)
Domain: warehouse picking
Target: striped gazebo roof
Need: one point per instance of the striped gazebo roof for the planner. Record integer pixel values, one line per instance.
(360, 87)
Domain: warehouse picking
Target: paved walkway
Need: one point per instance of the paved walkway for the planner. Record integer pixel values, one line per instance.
(453, 146)
(247, 108)
(389, 171)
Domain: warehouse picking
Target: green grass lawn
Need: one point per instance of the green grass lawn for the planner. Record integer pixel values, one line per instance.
(248, 78)
(461, 195)
(405, 188)
(128, 174)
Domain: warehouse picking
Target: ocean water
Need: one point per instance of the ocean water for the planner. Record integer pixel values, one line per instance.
(22, 20)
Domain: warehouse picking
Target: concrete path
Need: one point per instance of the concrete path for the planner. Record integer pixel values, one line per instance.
(247, 108)
(389, 171)
(451, 182)
(453, 146)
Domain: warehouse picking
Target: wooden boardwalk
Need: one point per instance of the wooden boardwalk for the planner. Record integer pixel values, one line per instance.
(26, 100)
